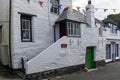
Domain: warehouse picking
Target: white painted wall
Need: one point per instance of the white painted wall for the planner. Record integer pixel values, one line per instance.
(43, 33)
(56, 57)
(4, 20)
(107, 33)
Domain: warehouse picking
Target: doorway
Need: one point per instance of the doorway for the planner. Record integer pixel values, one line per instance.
(89, 58)
(63, 30)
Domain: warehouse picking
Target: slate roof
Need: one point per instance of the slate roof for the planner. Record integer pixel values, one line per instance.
(73, 15)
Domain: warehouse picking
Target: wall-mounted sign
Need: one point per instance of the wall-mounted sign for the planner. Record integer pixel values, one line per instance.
(63, 45)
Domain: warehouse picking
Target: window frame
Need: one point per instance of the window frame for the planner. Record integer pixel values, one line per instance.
(55, 7)
(116, 50)
(26, 18)
(73, 29)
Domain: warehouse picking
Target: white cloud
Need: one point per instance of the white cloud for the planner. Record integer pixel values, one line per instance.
(107, 4)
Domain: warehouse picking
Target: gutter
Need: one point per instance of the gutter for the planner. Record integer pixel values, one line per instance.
(10, 53)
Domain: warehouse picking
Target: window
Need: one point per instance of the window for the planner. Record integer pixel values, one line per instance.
(113, 29)
(26, 32)
(54, 7)
(73, 29)
(117, 50)
(108, 51)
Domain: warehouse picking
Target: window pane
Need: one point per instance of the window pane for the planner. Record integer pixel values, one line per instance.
(108, 51)
(26, 28)
(68, 28)
(117, 50)
(77, 30)
(54, 7)
(23, 24)
(73, 29)
(26, 34)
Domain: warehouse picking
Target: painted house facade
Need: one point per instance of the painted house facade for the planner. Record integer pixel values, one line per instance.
(112, 34)
(39, 36)
(27, 42)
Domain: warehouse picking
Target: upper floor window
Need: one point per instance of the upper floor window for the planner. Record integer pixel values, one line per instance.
(73, 29)
(26, 32)
(54, 7)
(113, 28)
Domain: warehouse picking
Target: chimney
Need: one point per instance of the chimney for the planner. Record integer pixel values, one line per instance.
(90, 16)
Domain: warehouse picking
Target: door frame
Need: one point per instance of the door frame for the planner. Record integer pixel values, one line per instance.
(90, 63)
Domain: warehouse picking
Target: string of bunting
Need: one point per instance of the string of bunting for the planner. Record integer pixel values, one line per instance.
(77, 7)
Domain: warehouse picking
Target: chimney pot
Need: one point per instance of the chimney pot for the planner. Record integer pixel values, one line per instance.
(89, 2)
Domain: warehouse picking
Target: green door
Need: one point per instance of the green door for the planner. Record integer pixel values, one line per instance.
(89, 60)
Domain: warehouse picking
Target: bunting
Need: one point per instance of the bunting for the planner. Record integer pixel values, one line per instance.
(41, 3)
(78, 8)
(87, 8)
(28, 1)
(96, 9)
(60, 6)
(69, 7)
(105, 10)
(114, 10)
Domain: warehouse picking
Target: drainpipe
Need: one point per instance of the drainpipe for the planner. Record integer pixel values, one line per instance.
(10, 55)
(54, 33)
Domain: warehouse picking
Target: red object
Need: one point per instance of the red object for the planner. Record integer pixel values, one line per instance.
(87, 9)
(41, 3)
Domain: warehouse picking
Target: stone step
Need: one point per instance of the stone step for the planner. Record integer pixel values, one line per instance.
(21, 75)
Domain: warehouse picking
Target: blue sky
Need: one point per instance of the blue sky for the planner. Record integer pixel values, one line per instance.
(105, 4)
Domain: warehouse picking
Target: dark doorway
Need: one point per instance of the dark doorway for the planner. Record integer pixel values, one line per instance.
(63, 30)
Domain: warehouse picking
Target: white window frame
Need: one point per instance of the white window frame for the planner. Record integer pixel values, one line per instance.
(73, 29)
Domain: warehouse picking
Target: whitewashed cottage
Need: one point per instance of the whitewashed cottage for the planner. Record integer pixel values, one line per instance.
(42, 35)
(112, 34)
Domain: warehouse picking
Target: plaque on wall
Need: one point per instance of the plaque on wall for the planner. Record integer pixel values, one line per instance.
(63, 45)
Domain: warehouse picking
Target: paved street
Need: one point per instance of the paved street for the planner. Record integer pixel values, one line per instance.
(110, 72)
(6, 75)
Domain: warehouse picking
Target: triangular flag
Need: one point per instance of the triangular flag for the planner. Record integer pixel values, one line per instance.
(69, 7)
(114, 10)
(96, 9)
(60, 6)
(105, 10)
(41, 3)
(87, 8)
(78, 8)
(28, 1)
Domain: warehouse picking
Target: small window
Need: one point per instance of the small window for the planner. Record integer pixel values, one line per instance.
(73, 29)
(26, 32)
(54, 7)
(113, 29)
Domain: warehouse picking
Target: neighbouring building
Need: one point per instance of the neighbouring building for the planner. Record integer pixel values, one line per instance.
(42, 35)
(112, 34)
